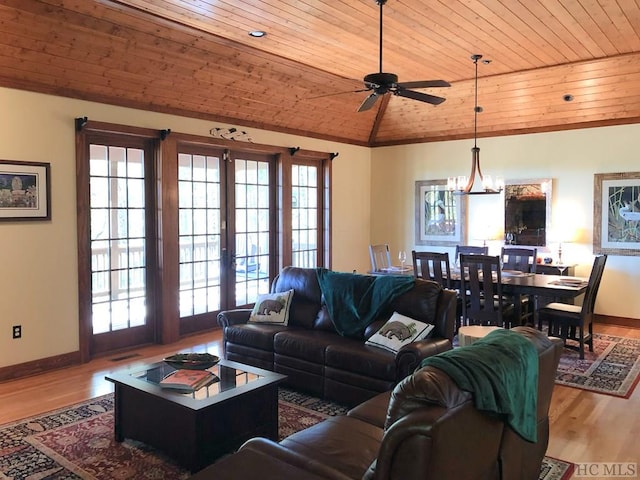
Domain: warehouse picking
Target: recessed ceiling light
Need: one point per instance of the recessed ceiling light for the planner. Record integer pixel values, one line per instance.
(568, 97)
(257, 33)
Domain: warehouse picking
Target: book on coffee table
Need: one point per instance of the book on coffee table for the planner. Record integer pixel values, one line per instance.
(188, 380)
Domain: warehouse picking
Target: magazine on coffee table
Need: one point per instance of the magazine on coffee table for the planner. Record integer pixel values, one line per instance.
(185, 380)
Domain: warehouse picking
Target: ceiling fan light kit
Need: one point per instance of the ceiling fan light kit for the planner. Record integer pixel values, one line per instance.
(462, 185)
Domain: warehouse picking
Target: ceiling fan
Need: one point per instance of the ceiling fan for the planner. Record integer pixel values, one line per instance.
(381, 83)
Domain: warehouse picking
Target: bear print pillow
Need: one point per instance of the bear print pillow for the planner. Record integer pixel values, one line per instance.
(272, 308)
(399, 331)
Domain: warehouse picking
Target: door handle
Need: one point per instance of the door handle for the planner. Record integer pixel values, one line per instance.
(228, 259)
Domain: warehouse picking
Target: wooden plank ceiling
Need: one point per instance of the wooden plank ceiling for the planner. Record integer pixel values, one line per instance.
(195, 58)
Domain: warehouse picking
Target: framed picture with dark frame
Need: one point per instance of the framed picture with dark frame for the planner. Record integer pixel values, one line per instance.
(25, 191)
(616, 213)
(440, 214)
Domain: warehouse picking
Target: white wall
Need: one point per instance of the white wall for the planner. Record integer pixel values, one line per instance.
(570, 158)
(38, 260)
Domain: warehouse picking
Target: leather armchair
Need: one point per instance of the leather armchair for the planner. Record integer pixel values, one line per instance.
(426, 428)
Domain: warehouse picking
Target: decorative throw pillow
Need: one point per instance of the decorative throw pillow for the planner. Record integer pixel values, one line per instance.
(272, 308)
(399, 331)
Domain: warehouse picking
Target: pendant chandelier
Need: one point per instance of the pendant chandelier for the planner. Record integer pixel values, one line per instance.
(461, 184)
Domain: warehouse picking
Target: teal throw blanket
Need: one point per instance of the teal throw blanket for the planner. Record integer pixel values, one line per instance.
(354, 301)
(501, 370)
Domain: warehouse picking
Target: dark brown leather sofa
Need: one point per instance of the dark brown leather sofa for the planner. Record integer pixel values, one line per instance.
(318, 360)
(426, 428)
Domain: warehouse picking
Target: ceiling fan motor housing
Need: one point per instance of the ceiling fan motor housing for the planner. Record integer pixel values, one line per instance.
(381, 79)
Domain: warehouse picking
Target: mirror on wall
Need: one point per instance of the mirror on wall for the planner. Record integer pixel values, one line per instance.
(527, 211)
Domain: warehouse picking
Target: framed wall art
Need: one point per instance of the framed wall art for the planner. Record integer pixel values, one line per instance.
(25, 191)
(616, 213)
(440, 214)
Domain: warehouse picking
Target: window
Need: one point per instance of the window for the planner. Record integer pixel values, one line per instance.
(304, 215)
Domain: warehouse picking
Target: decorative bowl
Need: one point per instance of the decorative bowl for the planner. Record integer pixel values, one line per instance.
(192, 361)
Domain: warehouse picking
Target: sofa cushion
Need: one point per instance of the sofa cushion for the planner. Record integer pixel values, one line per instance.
(255, 335)
(354, 356)
(421, 302)
(323, 320)
(272, 308)
(399, 331)
(346, 444)
(355, 301)
(307, 297)
(306, 344)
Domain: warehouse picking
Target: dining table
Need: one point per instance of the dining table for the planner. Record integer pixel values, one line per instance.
(517, 284)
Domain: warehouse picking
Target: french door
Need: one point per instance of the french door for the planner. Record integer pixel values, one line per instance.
(174, 229)
(226, 223)
(121, 243)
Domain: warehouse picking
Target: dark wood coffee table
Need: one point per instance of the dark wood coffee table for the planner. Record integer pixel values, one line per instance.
(196, 428)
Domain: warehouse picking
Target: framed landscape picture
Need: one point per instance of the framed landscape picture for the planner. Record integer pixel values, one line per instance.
(440, 214)
(616, 213)
(24, 191)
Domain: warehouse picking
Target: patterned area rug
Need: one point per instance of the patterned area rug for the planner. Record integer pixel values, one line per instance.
(77, 443)
(612, 368)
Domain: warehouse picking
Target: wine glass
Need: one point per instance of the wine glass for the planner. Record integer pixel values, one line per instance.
(561, 268)
(402, 256)
(510, 238)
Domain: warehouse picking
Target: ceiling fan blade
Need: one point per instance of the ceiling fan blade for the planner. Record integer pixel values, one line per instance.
(424, 84)
(423, 97)
(368, 102)
(339, 93)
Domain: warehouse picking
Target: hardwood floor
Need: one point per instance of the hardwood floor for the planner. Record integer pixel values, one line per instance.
(56, 389)
(585, 426)
(591, 427)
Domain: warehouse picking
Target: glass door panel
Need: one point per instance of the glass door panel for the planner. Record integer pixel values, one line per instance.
(199, 234)
(118, 244)
(251, 230)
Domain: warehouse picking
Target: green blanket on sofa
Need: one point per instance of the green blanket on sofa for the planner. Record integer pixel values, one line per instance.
(501, 370)
(354, 301)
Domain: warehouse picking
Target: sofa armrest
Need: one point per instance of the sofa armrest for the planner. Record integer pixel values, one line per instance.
(446, 312)
(439, 434)
(233, 317)
(410, 355)
(282, 454)
(373, 411)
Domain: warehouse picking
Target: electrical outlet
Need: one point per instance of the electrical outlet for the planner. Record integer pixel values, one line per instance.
(17, 331)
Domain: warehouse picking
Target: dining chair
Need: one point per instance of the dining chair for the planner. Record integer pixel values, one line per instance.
(521, 259)
(570, 321)
(432, 266)
(482, 301)
(436, 266)
(470, 250)
(380, 257)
